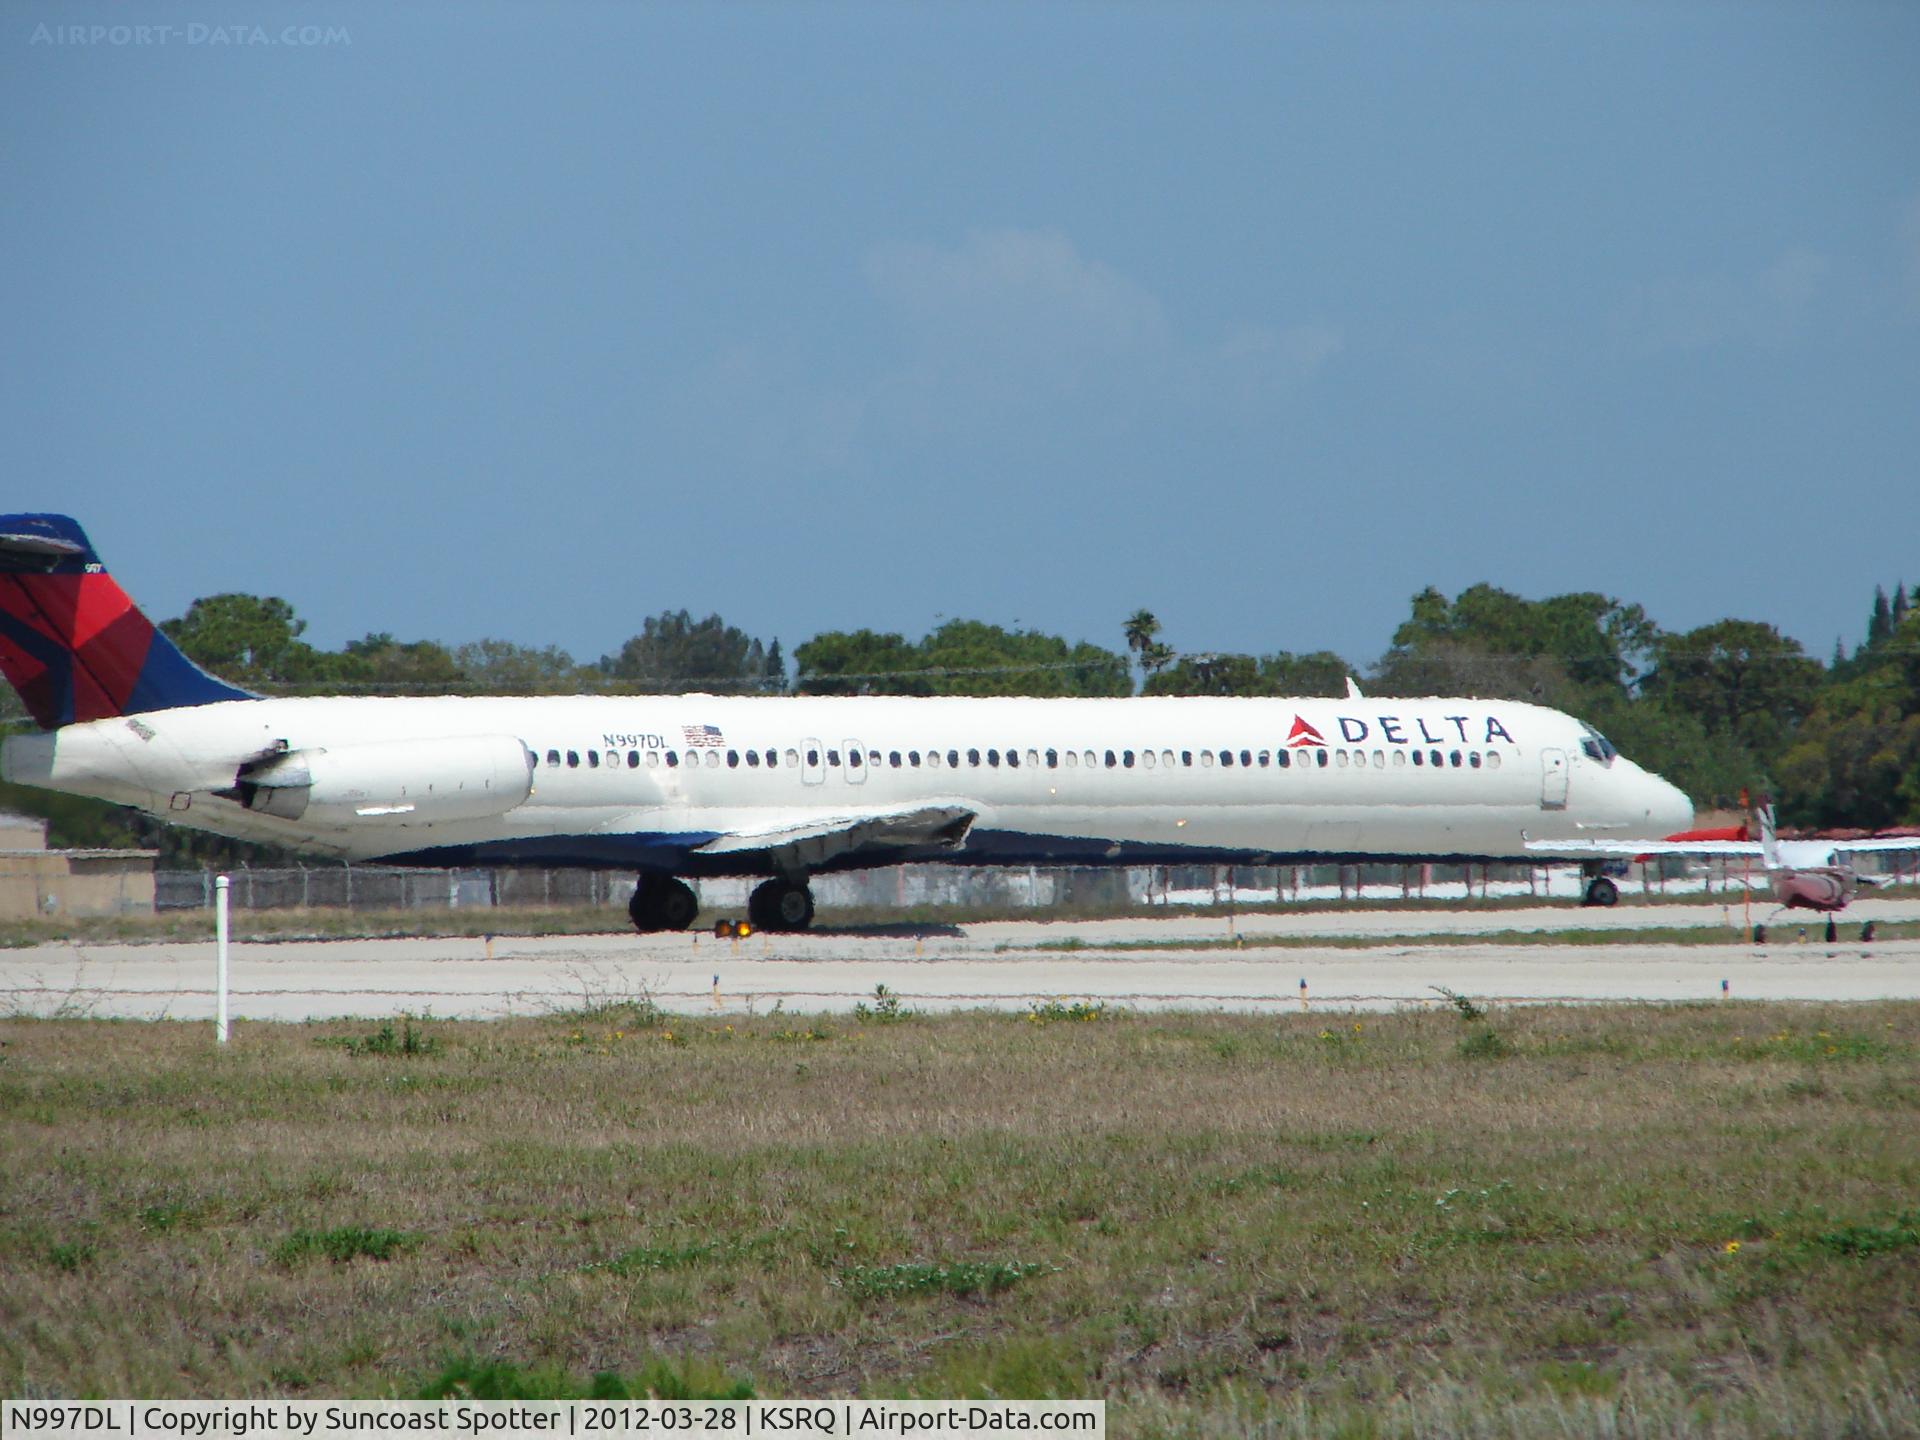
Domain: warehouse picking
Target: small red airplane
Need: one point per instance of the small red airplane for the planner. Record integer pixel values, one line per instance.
(1804, 874)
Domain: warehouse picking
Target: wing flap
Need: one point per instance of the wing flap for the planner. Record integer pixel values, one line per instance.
(809, 840)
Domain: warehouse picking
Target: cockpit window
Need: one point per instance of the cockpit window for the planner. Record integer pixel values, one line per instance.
(1596, 746)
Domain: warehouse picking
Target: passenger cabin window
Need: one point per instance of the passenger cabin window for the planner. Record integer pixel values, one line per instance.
(773, 759)
(1033, 759)
(593, 759)
(713, 759)
(753, 759)
(1419, 757)
(893, 758)
(1282, 759)
(1111, 762)
(993, 758)
(1226, 757)
(973, 757)
(953, 760)
(573, 759)
(873, 757)
(1262, 757)
(1436, 758)
(1126, 758)
(553, 757)
(1206, 759)
(853, 759)
(673, 758)
(1455, 758)
(1053, 759)
(1493, 760)
(733, 759)
(1399, 759)
(1073, 759)
(1340, 759)
(793, 757)
(1186, 757)
(913, 758)
(1149, 759)
(933, 759)
(1323, 759)
(1013, 759)
(633, 759)
(653, 759)
(1166, 758)
(1473, 758)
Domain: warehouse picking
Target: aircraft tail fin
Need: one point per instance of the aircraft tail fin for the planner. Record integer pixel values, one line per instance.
(1769, 845)
(72, 644)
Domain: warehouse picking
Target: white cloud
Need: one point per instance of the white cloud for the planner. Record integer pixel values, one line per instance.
(1767, 307)
(1017, 293)
(1910, 233)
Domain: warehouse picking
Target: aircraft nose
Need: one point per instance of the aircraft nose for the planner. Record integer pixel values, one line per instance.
(1668, 808)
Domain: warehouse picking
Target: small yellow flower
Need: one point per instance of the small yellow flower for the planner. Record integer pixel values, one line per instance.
(1732, 1247)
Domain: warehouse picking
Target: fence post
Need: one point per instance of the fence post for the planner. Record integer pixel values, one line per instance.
(220, 963)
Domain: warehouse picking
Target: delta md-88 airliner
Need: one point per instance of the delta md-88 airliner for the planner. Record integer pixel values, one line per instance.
(785, 787)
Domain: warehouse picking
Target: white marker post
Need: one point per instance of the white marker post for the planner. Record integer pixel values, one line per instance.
(220, 885)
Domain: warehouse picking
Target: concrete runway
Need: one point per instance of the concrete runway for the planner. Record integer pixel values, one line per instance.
(997, 965)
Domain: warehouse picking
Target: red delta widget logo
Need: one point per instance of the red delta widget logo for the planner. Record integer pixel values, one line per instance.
(1393, 730)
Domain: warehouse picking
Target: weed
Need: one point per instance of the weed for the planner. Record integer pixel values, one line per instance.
(1487, 1044)
(885, 1010)
(384, 1041)
(1048, 1012)
(1857, 1242)
(71, 1256)
(1468, 1011)
(342, 1245)
(963, 1277)
(656, 1379)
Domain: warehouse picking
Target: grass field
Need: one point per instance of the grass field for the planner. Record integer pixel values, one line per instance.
(1595, 1221)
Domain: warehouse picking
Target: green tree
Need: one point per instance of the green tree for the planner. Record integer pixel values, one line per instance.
(1558, 649)
(500, 667)
(859, 662)
(1143, 642)
(248, 639)
(382, 664)
(673, 651)
(1740, 678)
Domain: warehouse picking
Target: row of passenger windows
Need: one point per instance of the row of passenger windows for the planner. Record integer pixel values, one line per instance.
(1051, 759)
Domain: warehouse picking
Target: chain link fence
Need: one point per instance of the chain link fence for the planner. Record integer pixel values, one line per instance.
(901, 887)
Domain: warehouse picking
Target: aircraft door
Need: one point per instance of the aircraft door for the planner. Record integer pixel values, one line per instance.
(813, 763)
(1553, 779)
(856, 766)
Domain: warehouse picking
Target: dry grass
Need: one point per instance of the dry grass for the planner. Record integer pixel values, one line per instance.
(1697, 1220)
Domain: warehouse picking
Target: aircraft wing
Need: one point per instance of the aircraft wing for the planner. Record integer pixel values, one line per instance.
(1883, 842)
(810, 838)
(1643, 847)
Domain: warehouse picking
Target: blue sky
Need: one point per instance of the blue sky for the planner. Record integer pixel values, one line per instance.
(530, 321)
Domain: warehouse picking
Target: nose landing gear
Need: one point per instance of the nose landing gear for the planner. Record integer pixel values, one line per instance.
(661, 902)
(1601, 891)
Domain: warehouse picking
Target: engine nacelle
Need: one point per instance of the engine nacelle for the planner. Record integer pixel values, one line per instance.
(392, 782)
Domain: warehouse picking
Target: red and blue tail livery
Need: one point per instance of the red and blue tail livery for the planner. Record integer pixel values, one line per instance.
(71, 642)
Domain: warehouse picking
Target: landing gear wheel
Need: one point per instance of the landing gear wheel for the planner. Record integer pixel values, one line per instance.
(780, 905)
(662, 903)
(1833, 931)
(1866, 933)
(1601, 891)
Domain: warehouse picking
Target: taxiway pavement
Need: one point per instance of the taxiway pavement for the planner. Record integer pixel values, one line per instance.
(1151, 961)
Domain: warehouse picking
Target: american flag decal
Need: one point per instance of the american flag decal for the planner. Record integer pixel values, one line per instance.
(702, 735)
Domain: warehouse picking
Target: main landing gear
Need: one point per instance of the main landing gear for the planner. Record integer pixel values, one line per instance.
(661, 902)
(780, 905)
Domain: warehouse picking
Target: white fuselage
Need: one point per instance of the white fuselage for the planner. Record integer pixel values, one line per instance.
(645, 778)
